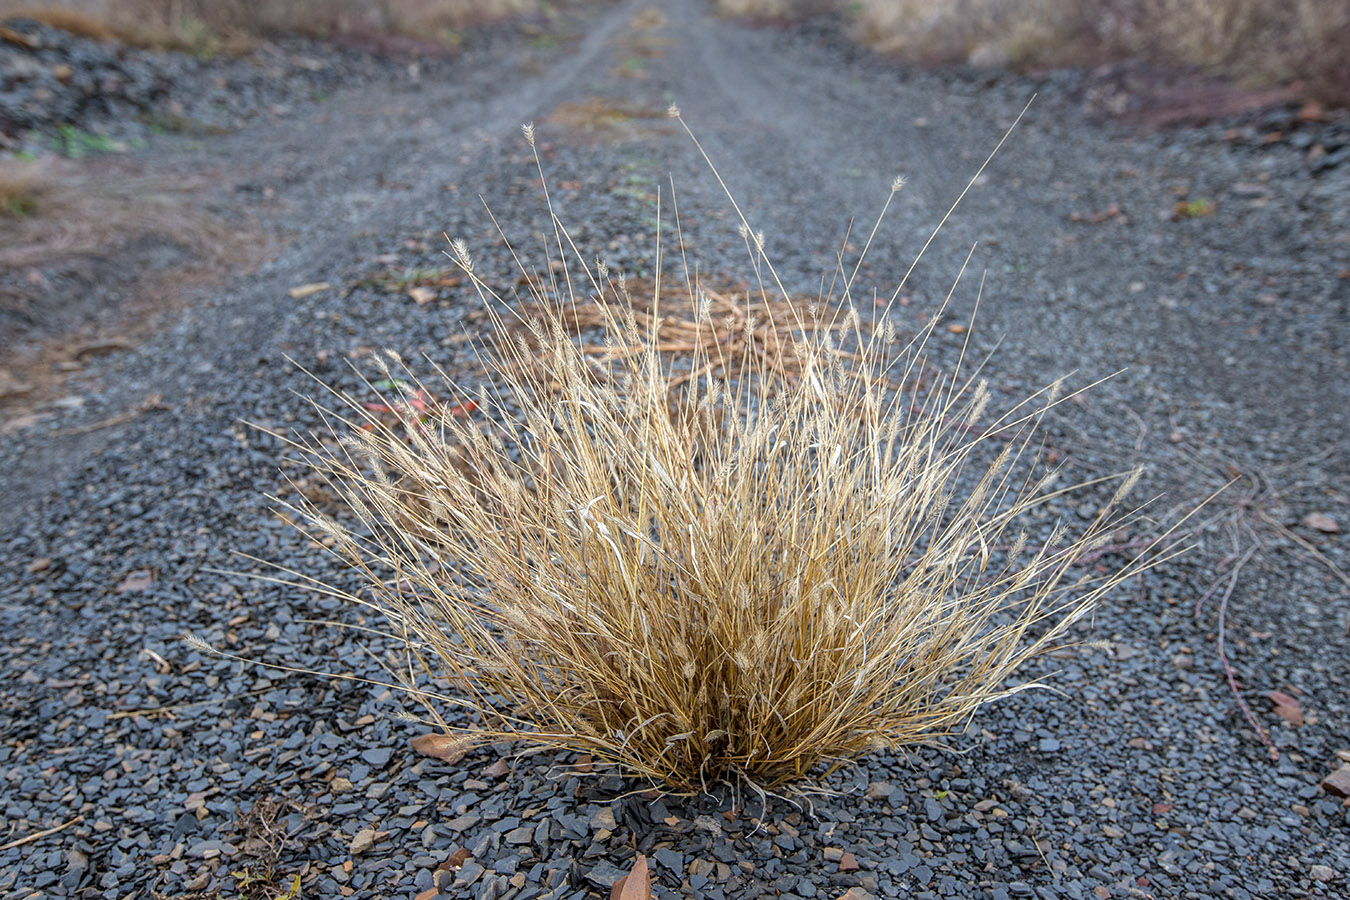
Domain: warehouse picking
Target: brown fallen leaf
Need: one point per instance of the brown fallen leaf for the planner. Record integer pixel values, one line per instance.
(1286, 707)
(448, 747)
(455, 861)
(1338, 782)
(1322, 522)
(1312, 111)
(305, 290)
(422, 295)
(636, 885)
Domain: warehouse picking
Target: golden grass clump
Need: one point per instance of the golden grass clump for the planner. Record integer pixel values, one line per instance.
(807, 565)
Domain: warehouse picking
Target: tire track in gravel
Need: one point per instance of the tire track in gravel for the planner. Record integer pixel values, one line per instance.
(326, 175)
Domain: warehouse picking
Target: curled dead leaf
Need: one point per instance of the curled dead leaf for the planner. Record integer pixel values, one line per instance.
(448, 747)
(422, 295)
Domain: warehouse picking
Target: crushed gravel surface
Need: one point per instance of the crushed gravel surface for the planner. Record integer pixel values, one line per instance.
(1215, 271)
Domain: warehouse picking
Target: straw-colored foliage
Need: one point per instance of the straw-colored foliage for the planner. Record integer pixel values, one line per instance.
(1253, 41)
(805, 565)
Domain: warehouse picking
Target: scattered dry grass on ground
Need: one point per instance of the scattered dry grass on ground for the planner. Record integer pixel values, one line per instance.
(226, 25)
(804, 566)
(730, 332)
(60, 209)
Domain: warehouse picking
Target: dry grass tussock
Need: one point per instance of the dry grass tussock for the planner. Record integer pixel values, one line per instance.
(805, 566)
(1252, 40)
(220, 24)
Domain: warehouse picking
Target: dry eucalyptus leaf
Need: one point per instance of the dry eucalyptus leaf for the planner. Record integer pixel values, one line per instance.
(305, 290)
(636, 885)
(449, 747)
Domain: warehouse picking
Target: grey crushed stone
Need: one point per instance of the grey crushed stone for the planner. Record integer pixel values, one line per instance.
(1140, 778)
(130, 95)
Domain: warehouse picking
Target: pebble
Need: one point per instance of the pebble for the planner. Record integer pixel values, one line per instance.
(364, 839)
(1338, 782)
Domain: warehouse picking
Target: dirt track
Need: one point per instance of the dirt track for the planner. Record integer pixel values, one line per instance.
(1231, 327)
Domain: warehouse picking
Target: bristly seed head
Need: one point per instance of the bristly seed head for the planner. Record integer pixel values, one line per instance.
(673, 111)
(897, 184)
(528, 130)
(704, 312)
(461, 251)
(197, 643)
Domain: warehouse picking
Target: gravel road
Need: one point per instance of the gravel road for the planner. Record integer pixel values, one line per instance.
(170, 773)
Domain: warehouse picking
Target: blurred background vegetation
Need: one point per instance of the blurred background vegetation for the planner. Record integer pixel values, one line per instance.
(1256, 43)
(225, 25)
